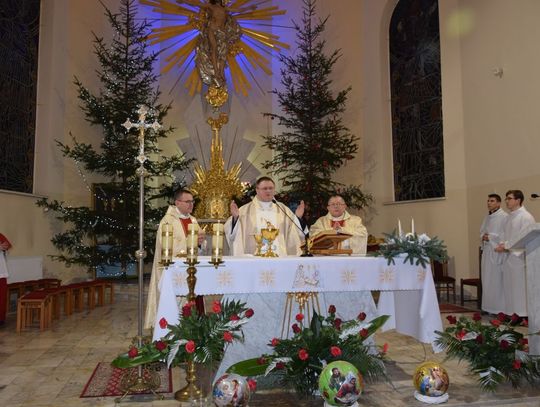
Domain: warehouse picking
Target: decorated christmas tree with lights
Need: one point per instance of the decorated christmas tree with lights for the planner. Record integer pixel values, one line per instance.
(315, 143)
(106, 233)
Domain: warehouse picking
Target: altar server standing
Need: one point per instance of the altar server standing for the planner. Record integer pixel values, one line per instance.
(514, 264)
(491, 264)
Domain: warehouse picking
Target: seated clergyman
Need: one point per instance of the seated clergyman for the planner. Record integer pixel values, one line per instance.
(342, 221)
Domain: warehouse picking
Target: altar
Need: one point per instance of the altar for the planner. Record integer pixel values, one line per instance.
(407, 293)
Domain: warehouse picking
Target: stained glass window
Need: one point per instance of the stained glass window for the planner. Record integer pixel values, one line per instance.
(417, 125)
(19, 39)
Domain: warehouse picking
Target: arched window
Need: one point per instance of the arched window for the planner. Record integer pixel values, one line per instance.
(19, 38)
(415, 75)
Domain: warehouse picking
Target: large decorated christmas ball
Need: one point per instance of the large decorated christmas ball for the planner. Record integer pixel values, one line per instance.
(231, 390)
(431, 382)
(340, 384)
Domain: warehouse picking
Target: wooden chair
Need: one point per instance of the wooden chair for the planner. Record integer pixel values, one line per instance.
(474, 282)
(443, 282)
(32, 305)
(14, 288)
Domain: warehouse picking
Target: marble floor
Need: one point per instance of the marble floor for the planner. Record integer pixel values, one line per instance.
(51, 368)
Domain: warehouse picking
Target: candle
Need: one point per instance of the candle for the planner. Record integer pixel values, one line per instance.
(192, 241)
(400, 233)
(166, 242)
(217, 242)
(412, 226)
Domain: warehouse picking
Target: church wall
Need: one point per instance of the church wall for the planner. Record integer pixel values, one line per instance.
(500, 113)
(445, 218)
(65, 51)
(490, 125)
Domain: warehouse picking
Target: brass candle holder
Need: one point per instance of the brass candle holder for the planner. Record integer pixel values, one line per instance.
(190, 391)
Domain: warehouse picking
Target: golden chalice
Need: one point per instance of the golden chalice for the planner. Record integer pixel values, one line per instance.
(259, 242)
(269, 234)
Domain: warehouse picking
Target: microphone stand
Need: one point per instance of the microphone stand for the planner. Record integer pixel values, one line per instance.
(306, 249)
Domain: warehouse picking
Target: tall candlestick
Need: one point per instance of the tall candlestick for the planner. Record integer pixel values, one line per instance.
(192, 241)
(166, 243)
(412, 226)
(400, 233)
(217, 242)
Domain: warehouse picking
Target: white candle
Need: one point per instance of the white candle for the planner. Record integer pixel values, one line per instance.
(192, 241)
(217, 242)
(400, 233)
(412, 226)
(166, 242)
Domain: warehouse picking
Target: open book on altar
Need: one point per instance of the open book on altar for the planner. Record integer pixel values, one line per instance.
(328, 242)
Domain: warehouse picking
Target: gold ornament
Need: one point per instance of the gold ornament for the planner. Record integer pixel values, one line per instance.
(216, 97)
(223, 38)
(216, 186)
(431, 382)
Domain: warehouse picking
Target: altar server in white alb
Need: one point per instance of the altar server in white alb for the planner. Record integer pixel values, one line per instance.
(339, 219)
(491, 234)
(515, 295)
(249, 219)
(179, 217)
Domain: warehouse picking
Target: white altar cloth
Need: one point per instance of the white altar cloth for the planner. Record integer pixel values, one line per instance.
(407, 291)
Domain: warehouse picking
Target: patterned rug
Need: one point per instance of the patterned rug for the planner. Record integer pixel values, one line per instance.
(106, 381)
(446, 308)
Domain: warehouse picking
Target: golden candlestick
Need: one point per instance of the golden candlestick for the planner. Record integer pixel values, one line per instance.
(190, 391)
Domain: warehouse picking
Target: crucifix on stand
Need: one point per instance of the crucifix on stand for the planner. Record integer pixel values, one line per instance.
(144, 379)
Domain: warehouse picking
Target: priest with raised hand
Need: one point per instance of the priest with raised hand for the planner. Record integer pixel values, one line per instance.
(342, 221)
(248, 220)
(179, 217)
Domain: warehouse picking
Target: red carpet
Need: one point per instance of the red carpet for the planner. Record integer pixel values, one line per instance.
(105, 381)
(454, 309)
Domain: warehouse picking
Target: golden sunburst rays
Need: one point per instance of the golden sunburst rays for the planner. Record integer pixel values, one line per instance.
(181, 31)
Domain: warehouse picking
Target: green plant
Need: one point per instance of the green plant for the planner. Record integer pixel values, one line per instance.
(201, 338)
(496, 352)
(419, 249)
(301, 358)
(315, 142)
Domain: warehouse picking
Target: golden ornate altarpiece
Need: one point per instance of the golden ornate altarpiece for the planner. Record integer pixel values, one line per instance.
(226, 39)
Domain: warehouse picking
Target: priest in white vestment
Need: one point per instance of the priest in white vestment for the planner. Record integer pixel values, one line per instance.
(491, 264)
(179, 217)
(248, 220)
(518, 219)
(340, 220)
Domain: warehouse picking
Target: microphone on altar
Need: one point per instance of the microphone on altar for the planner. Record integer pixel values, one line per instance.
(534, 196)
(305, 250)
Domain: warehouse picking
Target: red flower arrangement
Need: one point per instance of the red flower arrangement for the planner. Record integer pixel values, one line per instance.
(496, 352)
(325, 339)
(200, 338)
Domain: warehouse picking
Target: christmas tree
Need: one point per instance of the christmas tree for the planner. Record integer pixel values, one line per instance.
(107, 232)
(315, 143)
